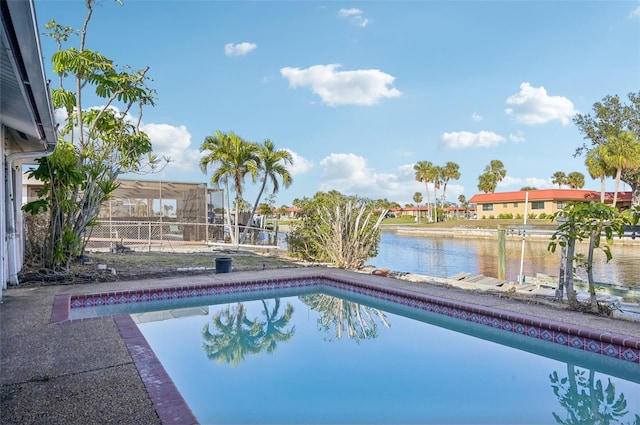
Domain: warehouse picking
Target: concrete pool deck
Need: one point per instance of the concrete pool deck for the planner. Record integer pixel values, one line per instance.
(82, 372)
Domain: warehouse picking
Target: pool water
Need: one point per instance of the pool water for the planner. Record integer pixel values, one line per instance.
(337, 357)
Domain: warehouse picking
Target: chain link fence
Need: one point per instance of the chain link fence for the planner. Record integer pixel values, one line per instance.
(123, 236)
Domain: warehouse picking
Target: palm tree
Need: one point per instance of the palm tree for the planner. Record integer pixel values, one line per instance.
(622, 153)
(463, 203)
(234, 158)
(496, 168)
(559, 178)
(575, 180)
(451, 172)
(438, 178)
(598, 168)
(272, 165)
(417, 198)
(424, 173)
(492, 175)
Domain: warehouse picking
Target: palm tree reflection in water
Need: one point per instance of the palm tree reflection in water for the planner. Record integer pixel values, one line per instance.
(236, 336)
(342, 317)
(587, 401)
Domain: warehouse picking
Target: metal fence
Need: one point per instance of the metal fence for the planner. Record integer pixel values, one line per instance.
(121, 236)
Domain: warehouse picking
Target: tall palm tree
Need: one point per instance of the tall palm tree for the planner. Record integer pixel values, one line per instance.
(463, 203)
(622, 152)
(559, 178)
(417, 198)
(272, 166)
(598, 167)
(234, 158)
(451, 172)
(438, 178)
(424, 173)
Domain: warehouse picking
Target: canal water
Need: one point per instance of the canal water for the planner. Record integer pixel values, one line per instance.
(445, 256)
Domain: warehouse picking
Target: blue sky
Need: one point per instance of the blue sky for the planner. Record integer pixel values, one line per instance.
(360, 91)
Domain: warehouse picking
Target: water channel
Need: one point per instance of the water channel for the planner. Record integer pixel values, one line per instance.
(445, 256)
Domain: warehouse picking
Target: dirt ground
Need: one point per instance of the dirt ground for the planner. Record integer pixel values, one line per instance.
(112, 267)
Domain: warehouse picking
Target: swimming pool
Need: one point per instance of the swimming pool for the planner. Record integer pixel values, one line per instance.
(526, 337)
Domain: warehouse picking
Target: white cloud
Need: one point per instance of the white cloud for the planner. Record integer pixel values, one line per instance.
(533, 105)
(350, 175)
(354, 16)
(517, 138)
(174, 143)
(239, 49)
(635, 13)
(299, 164)
(350, 12)
(360, 87)
(477, 117)
(344, 166)
(466, 139)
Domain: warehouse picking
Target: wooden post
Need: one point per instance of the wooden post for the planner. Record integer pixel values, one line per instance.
(502, 253)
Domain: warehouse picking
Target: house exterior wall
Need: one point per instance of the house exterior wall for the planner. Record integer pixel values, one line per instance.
(517, 208)
(4, 264)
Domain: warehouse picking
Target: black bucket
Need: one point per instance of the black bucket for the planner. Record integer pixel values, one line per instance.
(223, 265)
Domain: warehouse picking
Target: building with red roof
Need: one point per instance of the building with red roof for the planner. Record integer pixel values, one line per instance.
(546, 201)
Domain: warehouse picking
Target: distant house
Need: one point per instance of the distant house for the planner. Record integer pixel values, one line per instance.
(546, 201)
(26, 124)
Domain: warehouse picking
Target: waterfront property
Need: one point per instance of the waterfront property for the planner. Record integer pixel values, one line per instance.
(543, 201)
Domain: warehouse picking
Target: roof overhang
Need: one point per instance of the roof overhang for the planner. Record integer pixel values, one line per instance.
(25, 102)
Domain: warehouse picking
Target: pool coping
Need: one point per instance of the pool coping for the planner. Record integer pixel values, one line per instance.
(171, 407)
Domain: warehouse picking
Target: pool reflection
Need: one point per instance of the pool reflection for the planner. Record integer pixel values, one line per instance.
(235, 336)
(587, 400)
(339, 317)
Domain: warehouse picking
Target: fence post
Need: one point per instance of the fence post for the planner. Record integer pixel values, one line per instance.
(502, 253)
(149, 238)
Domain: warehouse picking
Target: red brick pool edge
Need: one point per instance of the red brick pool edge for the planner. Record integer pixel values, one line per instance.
(169, 404)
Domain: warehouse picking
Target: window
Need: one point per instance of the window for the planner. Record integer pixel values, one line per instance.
(515, 205)
(487, 207)
(561, 204)
(537, 205)
(505, 205)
